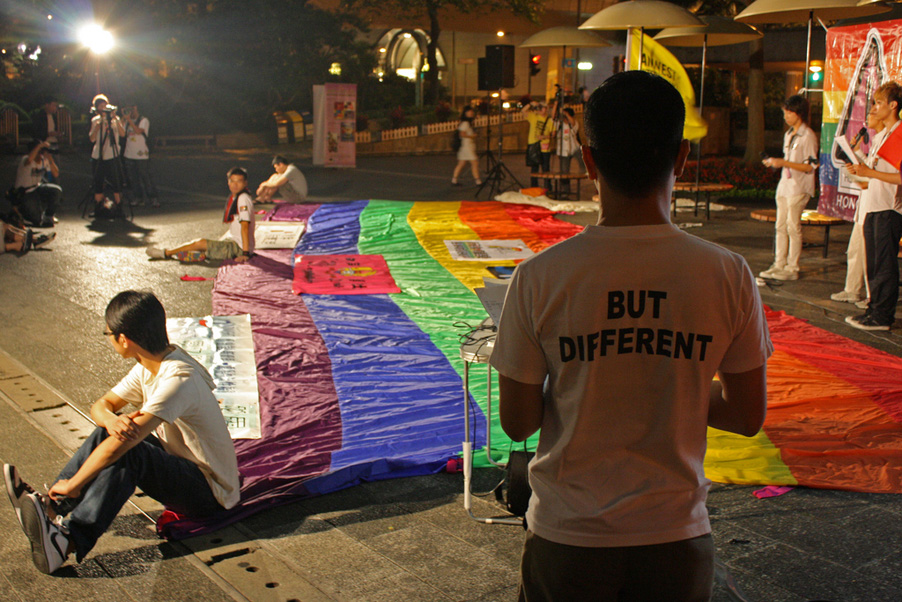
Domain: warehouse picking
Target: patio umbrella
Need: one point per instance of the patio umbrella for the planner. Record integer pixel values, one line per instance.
(716, 31)
(641, 15)
(565, 36)
(800, 11)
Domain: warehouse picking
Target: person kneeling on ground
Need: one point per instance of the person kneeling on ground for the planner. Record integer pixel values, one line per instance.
(287, 184)
(17, 240)
(175, 447)
(37, 199)
(239, 214)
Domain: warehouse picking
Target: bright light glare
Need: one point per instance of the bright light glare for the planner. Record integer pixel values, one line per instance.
(50, 17)
(96, 38)
(584, 66)
(500, 34)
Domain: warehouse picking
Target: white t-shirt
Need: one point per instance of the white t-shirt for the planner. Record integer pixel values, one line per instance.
(879, 195)
(629, 325)
(294, 190)
(31, 176)
(245, 214)
(568, 145)
(108, 140)
(467, 150)
(181, 395)
(135, 143)
(799, 147)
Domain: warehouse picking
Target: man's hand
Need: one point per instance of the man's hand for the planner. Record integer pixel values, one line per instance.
(774, 162)
(123, 427)
(62, 489)
(857, 169)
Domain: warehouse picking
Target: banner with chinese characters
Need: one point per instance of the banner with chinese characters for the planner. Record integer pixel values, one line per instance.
(342, 275)
(335, 125)
(224, 346)
(859, 59)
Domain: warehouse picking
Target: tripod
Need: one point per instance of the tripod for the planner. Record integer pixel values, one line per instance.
(88, 200)
(497, 172)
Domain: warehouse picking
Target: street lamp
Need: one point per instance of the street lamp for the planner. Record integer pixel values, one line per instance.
(99, 41)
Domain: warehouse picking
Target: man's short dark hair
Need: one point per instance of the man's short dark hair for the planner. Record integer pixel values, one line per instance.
(634, 125)
(237, 171)
(279, 159)
(891, 92)
(139, 316)
(798, 104)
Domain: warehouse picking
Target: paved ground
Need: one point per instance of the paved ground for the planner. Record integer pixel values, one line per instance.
(397, 540)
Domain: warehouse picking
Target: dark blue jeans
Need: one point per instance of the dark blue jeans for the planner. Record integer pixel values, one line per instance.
(175, 482)
(141, 179)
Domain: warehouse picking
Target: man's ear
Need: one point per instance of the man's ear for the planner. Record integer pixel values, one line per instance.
(682, 156)
(589, 160)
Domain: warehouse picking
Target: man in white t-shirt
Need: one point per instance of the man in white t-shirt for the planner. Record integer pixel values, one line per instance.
(37, 199)
(137, 158)
(609, 342)
(287, 184)
(173, 443)
(239, 215)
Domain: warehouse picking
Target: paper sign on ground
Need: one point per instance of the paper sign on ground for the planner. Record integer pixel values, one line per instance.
(488, 250)
(278, 235)
(342, 275)
(224, 345)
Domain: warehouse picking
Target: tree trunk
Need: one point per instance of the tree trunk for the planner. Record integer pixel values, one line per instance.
(431, 95)
(754, 144)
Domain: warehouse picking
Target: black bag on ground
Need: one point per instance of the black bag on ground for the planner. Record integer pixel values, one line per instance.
(517, 483)
(534, 154)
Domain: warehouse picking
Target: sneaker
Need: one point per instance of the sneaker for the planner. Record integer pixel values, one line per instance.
(863, 304)
(866, 322)
(39, 241)
(456, 183)
(769, 272)
(49, 542)
(155, 253)
(16, 489)
(785, 274)
(846, 297)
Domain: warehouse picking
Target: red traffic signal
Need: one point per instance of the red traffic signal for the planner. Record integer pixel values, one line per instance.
(534, 60)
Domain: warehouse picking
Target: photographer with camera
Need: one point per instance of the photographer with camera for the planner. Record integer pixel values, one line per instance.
(137, 158)
(35, 199)
(106, 128)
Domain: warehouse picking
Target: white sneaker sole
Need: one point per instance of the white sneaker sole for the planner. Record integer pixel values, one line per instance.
(48, 544)
(16, 494)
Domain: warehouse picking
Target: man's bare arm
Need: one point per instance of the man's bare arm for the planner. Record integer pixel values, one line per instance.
(738, 403)
(105, 454)
(521, 407)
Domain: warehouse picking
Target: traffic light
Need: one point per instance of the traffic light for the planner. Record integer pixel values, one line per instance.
(534, 60)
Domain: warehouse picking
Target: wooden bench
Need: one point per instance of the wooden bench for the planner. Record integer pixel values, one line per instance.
(706, 188)
(557, 178)
(204, 140)
(809, 218)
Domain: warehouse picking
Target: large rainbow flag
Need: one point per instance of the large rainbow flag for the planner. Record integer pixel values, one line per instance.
(364, 387)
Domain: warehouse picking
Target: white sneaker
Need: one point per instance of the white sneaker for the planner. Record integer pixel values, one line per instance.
(863, 304)
(769, 272)
(785, 274)
(49, 543)
(155, 253)
(16, 489)
(866, 322)
(846, 297)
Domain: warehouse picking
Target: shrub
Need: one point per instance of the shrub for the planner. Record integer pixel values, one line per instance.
(731, 170)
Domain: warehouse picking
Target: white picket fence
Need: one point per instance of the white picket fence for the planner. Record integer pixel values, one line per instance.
(445, 127)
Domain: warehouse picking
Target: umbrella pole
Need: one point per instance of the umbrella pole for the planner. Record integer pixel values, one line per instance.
(807, 54)
(701, 106)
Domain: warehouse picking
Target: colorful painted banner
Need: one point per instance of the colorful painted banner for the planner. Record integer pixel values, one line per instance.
(225, 347)
(487, 250)
(859, 59)
(342, 275)
(358, 388)
(658, 60)
(335, 125)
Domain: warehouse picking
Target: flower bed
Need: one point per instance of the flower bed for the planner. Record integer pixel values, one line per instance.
(753, 180)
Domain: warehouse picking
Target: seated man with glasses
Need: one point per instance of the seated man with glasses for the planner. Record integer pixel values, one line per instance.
(172, 443)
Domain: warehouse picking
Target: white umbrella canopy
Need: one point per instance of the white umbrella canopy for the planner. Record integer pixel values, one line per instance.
(565, 36)
(716, 31)
(799, 11)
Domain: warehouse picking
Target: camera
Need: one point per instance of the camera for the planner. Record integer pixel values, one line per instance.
(108, 110)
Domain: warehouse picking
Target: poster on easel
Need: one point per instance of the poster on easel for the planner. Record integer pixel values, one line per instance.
(335, 125)
(859, 59)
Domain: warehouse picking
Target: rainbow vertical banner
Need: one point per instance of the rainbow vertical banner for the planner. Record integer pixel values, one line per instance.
(859, 59)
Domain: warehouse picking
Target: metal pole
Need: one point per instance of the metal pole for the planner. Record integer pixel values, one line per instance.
(807, 54)
(701, 106)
